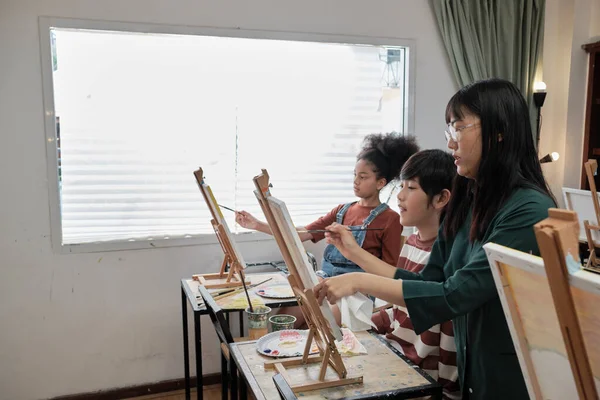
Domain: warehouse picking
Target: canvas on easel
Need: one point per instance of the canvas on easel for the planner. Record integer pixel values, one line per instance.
(591, 168)
(233, 257)
(576, 293)
(321, 322)
(581, 202)
(527, 303)
(549, 340)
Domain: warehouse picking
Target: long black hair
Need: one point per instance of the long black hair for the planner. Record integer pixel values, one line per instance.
(508, 156)
(388, 153)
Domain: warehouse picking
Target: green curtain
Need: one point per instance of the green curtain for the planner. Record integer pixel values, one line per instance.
(494, 39)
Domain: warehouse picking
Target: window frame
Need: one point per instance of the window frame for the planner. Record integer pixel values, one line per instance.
(47, 23)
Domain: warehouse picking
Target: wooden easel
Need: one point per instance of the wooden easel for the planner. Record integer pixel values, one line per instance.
(593, 263)
(232, 256)
(557, 237)
(322, 327)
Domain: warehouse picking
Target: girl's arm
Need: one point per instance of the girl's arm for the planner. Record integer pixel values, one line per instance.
(391, 241)
(343, 239)
(248, 221)
(384, 281)
(321, 223)
(304, 236)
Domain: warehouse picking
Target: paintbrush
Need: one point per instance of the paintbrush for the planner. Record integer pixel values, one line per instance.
(237, 290)
(247, 295)
(227, 293)
(227, 208)
(350, 229)
(219, 292)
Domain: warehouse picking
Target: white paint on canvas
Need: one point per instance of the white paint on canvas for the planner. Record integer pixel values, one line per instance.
(297, 251)
(554, 375)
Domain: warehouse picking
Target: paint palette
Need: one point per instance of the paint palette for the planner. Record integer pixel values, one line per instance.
(281, 290)
(286, 343)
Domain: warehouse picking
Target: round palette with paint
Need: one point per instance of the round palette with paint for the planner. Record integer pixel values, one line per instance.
(286, 343)
(276, 291)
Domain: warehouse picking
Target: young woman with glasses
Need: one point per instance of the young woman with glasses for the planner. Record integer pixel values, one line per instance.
(498, 195)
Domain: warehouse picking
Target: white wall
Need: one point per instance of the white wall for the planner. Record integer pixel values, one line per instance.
(569, 25)
(595, 21)
(577, 92)
(556, 70)
(84, 322)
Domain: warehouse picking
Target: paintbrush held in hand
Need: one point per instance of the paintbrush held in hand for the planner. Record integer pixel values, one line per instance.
(227, 208)
(350, 229)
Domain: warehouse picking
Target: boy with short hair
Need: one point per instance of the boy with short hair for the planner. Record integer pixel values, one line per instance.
(433, 350)
(425, 183)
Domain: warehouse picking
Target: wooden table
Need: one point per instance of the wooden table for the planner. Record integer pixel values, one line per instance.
(190, 295)
(386, 374)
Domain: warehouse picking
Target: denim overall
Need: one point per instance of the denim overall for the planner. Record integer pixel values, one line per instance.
(334, 263)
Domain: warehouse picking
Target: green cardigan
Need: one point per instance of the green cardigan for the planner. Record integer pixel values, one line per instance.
(457, 285)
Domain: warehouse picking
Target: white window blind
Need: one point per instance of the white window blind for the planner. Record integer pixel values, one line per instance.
(140, 112)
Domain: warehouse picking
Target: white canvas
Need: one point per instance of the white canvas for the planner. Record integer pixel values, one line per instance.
(298, 254)
(218, 216)
(581, 202)
(532, 312)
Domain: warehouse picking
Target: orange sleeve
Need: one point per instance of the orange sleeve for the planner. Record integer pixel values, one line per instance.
(392, 240)
(322, 223)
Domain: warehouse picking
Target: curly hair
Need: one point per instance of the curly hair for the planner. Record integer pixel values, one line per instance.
(387, 153)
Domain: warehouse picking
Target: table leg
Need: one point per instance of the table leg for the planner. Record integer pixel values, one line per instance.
(233, 375)
(198, 343)
(224, 377)
(186, 349)
(241, 314)
(243, 388)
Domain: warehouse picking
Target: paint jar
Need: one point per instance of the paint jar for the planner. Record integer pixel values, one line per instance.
(281, 322)
(258, 321)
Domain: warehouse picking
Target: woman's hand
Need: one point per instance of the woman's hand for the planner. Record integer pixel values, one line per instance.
(246, 220)
(341, 237)
(337, 287)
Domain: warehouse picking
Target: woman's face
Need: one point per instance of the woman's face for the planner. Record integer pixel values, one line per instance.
(464, 139)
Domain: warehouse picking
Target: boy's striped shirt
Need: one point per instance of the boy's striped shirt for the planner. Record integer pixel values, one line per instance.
(433, 350)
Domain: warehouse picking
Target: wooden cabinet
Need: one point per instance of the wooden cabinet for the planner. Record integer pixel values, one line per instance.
(591, 138)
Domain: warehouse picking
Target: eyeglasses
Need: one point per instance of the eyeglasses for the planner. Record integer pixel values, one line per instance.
(452, 133)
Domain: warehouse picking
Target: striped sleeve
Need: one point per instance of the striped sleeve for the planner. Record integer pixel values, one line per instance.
(448, 371)
(433, 350)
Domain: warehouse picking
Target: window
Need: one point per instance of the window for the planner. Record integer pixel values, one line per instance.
(135, 113)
